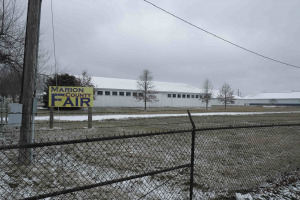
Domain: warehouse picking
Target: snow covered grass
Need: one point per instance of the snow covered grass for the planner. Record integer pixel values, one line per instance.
(226, 160)
(111, 127)
(75, 165)
(169, 110)
(119, 116)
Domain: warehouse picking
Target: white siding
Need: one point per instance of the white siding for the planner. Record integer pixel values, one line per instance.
(284, 102)
(130, 101)
(280, 98)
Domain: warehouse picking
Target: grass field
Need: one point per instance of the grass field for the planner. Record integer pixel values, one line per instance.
(116, 127)
(164, 110)
(226, 160)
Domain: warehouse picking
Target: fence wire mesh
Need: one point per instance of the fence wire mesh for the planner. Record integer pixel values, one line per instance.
(241, 160)
(64, 167)
(232, 154)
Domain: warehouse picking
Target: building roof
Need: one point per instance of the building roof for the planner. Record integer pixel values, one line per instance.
(277, 95)
(236, 97)
(129, 84)
(215, 94)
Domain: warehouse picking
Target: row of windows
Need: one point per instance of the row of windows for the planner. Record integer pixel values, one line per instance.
(183, 96)
(128, 94)
(114, 93)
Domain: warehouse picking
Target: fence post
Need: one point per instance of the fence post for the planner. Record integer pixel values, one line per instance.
(192, 157)
(90, 116)
(51, 118)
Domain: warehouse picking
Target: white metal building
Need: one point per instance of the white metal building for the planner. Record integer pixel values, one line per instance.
(114, 92)
(289, 98)
(238, 101)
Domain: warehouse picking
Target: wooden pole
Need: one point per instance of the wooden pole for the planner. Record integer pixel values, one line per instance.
(2, 102)
(51, 118)
(28, 79)
(90, 117)
(6, 113)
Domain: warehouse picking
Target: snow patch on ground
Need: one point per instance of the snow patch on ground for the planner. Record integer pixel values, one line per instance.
(117, 117)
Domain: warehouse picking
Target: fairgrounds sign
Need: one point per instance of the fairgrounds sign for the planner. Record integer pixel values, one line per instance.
(70, 96)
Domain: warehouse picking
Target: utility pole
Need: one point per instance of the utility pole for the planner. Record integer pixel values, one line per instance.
(29, 75)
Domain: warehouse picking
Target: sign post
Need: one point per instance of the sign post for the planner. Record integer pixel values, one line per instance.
(2, 102)
(51, 118)
(90, 117)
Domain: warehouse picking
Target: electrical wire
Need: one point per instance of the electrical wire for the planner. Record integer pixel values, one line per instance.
(53, 39)
(225, 40)
(54, 49)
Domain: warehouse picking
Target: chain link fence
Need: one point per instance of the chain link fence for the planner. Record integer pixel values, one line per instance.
(208, 162)
(128, 167)
(234, 159)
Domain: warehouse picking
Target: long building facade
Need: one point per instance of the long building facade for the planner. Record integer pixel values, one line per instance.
(289, 98)
(114, 92)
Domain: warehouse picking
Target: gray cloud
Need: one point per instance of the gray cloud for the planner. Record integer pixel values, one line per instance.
(121, 38)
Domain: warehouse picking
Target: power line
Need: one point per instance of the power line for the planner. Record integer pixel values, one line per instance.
(53, 39)
(210, 33)
(54, 46)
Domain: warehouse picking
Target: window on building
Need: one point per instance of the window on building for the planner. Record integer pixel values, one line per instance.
(169, 95)
(141, 94)
(99, 92)
(107, 93)
(174, 95)
(115, 93)
(188, 96)
(197, 96)
(128, 94)
(178, 95)
(134, 94)
(183, 96)
(121, 93)
(193, 96)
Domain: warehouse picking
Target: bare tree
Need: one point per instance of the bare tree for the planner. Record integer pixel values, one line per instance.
(86, 79)
(12, 34)
(272, 101)
(207, 90)
(226, 95)
(146, 88)
(10, 82)
(12, 43)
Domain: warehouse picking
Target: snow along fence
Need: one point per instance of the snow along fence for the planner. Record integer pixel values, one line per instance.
(152, 165)
(197, 163)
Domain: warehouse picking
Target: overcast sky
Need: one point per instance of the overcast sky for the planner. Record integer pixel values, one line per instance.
(120, 38)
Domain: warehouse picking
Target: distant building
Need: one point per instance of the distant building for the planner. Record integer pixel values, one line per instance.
(114, 92)
(277, 99)
(238, 101)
